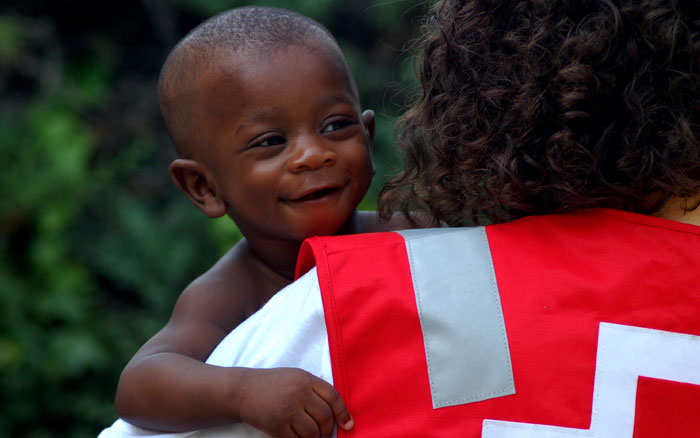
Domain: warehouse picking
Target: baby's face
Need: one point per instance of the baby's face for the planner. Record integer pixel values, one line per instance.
(285, 141)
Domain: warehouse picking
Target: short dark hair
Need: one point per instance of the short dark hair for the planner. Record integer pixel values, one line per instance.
(248, 28)
(547, 106)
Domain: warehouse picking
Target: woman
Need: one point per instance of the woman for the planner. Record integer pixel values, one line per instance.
(583, 119)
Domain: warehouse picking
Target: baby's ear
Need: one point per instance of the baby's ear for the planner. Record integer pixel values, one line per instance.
(368, 122)
(193, 180)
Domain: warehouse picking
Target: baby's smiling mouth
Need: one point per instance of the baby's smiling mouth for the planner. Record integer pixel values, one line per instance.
(317, 194)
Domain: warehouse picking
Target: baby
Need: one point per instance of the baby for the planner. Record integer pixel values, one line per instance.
(266, 120)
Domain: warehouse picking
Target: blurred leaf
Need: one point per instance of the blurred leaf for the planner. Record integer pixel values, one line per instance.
(71, 353)
(10, 39)
(225, 232)
(91, 79)
(59, 136)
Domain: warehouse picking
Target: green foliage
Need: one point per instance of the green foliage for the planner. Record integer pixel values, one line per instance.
(95, 242)
(10, 39)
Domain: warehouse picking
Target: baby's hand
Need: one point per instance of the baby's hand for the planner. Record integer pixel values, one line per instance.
(289, 402)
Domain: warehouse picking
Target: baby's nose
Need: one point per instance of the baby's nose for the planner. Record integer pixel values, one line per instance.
(309, 154)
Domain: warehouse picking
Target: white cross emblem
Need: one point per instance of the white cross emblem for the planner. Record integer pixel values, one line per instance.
(624, 354)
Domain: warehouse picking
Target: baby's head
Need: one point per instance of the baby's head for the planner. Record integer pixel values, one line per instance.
(266, 120)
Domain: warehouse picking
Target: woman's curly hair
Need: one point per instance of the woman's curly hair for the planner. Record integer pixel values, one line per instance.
(547, 106)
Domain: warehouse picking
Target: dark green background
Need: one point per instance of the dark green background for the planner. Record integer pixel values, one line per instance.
(95, 241)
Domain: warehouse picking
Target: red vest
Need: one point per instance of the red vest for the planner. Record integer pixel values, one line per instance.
(600, 313)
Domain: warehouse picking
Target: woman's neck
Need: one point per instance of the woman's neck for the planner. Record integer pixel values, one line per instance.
(676, 210)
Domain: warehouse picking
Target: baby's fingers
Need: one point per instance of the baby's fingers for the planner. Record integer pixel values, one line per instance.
(304, 426)
(322, 414)
(331, 396)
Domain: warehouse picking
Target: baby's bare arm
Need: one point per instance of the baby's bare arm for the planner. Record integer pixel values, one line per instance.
(188, 394)
(168, 387)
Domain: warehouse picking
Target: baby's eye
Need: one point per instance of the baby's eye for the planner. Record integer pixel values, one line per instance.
(270, 141)
(336, 125)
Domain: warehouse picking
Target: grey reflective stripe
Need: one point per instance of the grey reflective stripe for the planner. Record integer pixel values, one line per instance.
(465, 340)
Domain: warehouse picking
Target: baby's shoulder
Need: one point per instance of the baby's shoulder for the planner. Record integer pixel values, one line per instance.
(227, 273)
(229, 287)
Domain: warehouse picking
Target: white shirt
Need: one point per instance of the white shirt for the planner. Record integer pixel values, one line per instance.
(289, 331)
